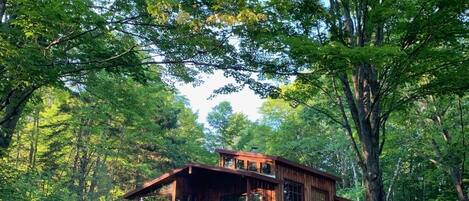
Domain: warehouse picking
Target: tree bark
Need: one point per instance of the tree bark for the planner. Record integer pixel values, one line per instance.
(11, 107)
(364, 108)
(373, 174)
(457, 182)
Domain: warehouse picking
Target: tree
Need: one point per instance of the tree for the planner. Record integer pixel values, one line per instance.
(228, 127)
(49, 43)
(100, 140)
(55, 43)
(369, 58)
(446, 136)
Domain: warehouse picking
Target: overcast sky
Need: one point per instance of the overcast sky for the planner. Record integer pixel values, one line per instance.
(244, 101)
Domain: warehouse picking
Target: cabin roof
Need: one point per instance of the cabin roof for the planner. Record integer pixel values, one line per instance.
(148, 186)
(280, 160)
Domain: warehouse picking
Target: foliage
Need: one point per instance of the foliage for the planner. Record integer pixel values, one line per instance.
(100, 140)
(87, 111)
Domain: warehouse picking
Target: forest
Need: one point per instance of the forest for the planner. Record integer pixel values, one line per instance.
(373, 91)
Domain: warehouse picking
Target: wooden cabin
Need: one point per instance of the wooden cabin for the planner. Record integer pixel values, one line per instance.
(246, 176)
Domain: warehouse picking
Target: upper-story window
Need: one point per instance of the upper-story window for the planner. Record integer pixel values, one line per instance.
(228, 162)
(252, 166)
(266, 168)
(293, 191)
(240, 164)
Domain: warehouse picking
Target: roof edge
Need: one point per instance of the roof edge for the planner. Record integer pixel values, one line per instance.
(154, 181)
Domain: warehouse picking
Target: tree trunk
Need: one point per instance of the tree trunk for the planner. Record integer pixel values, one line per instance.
(364, 105)
(394, 178)
(11, 107)
(373, 175)
(457, 182)
(92, 193)
(18, 148)
(33, 140)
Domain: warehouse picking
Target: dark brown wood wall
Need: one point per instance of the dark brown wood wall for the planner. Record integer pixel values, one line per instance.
(306, 178)
(213, 188)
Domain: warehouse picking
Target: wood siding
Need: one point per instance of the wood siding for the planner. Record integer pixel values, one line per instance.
(283, 171)
(213, 188)
(308, 180)
(210, 183)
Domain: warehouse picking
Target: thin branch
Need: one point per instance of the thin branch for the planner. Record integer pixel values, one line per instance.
(394, 177)
(463, 137)
(69, 37)
(350, 100)
(383, 139)
(317, 109)
(347, 126)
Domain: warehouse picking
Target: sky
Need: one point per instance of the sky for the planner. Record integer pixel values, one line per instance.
(245, 101)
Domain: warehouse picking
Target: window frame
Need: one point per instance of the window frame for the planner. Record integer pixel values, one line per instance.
(232, 159)
(261, 168)
(237, 164)
(248, 167)
(299, 194)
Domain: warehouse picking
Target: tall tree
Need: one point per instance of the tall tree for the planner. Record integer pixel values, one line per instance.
(368, 57)
(47, 43)
(53, 43)
(444, 125)
(105, 137)
(227, 127)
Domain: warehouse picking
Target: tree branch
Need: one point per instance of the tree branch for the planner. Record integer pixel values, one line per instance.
(347, 126)
(21, 99)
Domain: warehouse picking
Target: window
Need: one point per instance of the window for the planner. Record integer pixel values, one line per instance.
(252, 166)
(318, 195)
(266, 168)
(240, 164)
(228, 162)
(293, 191)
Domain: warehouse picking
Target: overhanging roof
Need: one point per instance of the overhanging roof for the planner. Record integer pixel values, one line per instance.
(150, 185)
(281, 160)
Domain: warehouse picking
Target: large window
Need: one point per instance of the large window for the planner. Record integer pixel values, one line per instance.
(318, 195)
(293, 191)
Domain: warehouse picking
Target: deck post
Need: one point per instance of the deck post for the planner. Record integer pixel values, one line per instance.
(248, 189)
(173, 193)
